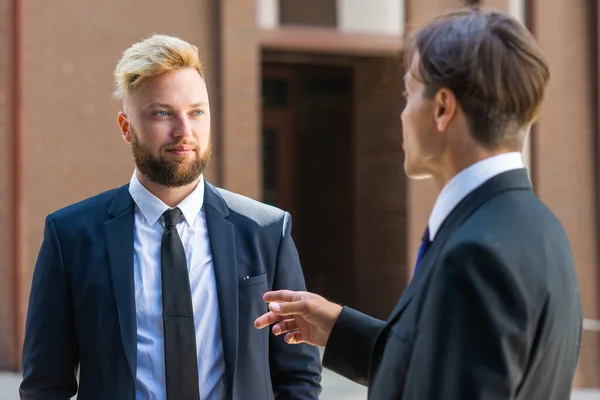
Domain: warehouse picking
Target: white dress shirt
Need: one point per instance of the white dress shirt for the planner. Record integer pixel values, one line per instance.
(465, 182)
(148, 230)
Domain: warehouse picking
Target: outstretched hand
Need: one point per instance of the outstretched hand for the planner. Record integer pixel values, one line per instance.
(303, 317)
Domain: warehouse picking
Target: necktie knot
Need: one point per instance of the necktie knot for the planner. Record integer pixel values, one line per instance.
(425, 239)
(171, 217)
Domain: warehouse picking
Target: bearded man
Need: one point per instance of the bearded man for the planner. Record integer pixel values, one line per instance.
(151, 289)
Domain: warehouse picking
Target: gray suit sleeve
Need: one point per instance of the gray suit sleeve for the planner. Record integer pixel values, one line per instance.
(475, 330)
(50, 353)
(295, 369)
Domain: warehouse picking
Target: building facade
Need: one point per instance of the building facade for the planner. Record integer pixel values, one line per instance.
(306, 102)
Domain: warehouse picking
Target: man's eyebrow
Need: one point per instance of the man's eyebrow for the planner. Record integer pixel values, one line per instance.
(166, 105)
(158, 104)
(200, 104)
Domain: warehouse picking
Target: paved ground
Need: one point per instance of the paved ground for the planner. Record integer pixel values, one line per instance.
(334, 388)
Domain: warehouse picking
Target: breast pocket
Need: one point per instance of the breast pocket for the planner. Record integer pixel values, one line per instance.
(251, 290)
(252, 370)
(248, 281)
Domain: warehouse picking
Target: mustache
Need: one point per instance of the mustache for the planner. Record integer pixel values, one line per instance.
(170, 146)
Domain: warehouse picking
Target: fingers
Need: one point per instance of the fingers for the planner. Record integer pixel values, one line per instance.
(271, 318)
(294, 338)
(281, 296)
(285, 326)
(266, 319)
(290, 308)
(278, 309)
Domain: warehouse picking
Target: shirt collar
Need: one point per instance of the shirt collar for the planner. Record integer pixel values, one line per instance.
(466, 181)
(153, 208)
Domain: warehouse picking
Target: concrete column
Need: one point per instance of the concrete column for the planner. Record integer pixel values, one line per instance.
(241, 102)
(565, 151)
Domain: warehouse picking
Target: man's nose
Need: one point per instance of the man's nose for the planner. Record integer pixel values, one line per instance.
(183, 127)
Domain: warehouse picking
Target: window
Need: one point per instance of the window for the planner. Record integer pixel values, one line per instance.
(321, 13)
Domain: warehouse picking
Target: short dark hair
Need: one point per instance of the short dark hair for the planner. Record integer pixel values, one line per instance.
(492, 64)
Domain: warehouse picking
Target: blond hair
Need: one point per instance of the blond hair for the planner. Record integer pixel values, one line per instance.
(151, 57)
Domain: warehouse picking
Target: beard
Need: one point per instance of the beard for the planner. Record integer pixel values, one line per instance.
(168, 171)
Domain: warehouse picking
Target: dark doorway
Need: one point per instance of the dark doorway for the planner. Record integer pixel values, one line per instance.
(308, 168)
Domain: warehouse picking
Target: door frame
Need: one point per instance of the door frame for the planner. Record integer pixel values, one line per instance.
(282, 120)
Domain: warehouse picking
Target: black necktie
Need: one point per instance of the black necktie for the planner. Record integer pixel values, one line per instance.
(181, 367)
(425, 244)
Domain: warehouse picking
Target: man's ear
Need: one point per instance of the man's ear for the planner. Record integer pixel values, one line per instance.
(124, 126)
(445, 104)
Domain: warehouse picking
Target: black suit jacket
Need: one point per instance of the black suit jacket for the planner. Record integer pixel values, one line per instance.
(82, 305)
(493, 312)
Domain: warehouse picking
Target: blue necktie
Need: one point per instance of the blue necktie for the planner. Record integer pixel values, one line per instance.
(425, 244)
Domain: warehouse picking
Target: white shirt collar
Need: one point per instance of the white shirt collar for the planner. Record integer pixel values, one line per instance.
(153, 208)
(465, 182)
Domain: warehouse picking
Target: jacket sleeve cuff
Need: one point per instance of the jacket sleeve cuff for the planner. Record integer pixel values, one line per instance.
(348, 349)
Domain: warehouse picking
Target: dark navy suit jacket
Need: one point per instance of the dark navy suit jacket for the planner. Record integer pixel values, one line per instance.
(82, 307)
(494, 311)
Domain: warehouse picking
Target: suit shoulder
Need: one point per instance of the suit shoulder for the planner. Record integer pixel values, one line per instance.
(250, 208)
(503, 225)
(513, 212)
(91, 205)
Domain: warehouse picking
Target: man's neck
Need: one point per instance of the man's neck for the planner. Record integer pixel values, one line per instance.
(171, 196)
(453, 163)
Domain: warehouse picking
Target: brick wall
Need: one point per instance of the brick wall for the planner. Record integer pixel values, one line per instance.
(73, 147)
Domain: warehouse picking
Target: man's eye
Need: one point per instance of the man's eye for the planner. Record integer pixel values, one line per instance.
(161, 113)
(197, 113)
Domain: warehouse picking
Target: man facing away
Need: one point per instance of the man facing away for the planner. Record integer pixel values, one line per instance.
(493, 310)
(151, 289)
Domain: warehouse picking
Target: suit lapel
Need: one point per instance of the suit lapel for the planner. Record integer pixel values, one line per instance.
(511, 180)
(119, 244)
(221, 234)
